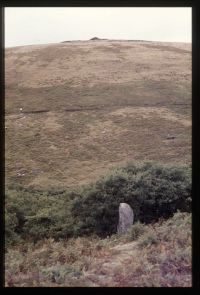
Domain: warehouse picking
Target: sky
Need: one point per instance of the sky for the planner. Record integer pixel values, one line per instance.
(41, 25)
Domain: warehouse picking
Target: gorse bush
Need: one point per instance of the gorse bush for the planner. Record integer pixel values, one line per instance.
(152, 190)
(36, 214)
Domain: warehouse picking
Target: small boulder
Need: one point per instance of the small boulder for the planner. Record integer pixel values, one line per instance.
(126, 218)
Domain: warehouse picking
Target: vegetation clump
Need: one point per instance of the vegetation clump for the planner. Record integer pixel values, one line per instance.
(153, 191)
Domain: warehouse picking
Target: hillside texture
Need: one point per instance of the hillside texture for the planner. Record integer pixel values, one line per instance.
(76, 109)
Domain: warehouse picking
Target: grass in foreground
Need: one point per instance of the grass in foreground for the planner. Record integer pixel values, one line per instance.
(157, 255)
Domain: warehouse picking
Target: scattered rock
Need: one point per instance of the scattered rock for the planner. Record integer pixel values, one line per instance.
(126, 217)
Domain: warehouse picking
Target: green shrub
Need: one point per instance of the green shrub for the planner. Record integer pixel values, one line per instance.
(11, 223)
(152, 190)
(35, 214)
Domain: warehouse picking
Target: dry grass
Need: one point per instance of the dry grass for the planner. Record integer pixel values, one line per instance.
(160, 256)
(89, 106)
(72, 149)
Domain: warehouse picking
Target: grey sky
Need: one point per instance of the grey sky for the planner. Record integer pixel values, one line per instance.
(25, 26)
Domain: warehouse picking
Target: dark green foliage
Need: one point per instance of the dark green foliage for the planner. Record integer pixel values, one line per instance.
(36, 214)
(152, 190)
(11, 223)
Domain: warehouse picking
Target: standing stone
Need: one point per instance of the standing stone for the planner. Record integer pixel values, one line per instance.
(125, 218)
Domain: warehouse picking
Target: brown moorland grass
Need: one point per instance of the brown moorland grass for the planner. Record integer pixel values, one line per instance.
(156, 255)
(90, 106)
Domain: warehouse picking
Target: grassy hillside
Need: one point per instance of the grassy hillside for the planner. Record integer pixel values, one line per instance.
(89, 106)
(90, 124)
